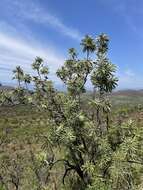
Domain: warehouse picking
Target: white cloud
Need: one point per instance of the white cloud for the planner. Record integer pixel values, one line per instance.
(20, 48)
(129, 73)
(17, 43)
(53, 21)
(129, 80)
(24, 49)
(36, 13)
(15, 52)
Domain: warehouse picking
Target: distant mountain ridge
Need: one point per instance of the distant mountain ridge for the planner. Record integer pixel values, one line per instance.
(129, 92)
(124, 92)
(5, 87)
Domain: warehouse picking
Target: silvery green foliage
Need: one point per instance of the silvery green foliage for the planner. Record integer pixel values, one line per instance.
(103, 76)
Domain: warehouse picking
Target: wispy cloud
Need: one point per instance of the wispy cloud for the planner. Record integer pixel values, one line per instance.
(15, 51)
(18, 45)
(36, 13)
(129, 79)
(129, 73)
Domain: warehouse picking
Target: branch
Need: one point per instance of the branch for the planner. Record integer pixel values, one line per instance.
(65, 174)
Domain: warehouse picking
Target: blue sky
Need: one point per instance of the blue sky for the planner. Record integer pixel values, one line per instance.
(47, 28)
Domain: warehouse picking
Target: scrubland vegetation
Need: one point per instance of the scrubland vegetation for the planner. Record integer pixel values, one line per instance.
(73, 140)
